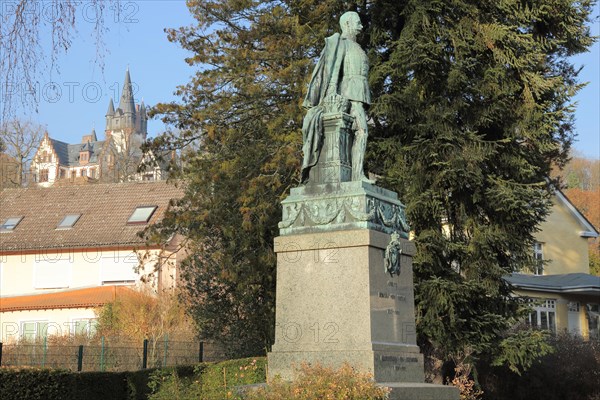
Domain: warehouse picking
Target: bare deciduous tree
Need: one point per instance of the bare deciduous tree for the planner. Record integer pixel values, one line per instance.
(22, 139)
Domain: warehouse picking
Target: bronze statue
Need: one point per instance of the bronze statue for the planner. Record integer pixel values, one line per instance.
(339, 83)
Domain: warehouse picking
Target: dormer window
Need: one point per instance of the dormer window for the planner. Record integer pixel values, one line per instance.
(84, 157)
(141, 215)
(10, 224)
(68, 221)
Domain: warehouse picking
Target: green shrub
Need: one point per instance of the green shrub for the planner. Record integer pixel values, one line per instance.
(318, 382)
(222, 378)
(572, 371)
(209, 381)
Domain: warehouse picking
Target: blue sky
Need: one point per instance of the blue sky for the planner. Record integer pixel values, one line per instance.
(157, 66)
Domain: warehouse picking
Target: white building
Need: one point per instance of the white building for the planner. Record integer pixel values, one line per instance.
(64, 251)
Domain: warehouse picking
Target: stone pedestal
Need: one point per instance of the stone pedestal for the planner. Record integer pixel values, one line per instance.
(336, 303)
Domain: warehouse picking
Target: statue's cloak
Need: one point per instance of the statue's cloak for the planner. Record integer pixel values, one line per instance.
(312, 127)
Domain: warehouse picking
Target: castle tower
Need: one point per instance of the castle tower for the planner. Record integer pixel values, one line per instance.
(128, 122)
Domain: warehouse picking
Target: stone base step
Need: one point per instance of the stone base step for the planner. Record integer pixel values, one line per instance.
(421, 391)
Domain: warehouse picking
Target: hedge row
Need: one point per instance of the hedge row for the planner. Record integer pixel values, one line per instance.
(209, 379)
(48, 384)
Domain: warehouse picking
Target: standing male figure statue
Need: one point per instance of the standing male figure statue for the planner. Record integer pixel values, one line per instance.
(339, 83)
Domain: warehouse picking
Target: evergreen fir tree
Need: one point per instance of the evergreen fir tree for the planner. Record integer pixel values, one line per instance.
(472, 110)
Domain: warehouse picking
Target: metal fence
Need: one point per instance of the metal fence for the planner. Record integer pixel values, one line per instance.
(108, 355)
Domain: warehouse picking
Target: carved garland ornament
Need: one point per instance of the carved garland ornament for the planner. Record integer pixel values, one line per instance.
(343, 210)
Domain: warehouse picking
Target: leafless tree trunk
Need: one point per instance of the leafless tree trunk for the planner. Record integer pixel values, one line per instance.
(22, 138)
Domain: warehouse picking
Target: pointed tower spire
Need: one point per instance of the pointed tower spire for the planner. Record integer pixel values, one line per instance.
(143, 109)
(111, 108)
(126, 104)
(110, 115)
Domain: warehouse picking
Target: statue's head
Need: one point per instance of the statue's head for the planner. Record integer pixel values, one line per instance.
(350, 23)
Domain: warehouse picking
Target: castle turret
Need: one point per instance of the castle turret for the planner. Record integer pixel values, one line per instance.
(127, 104)
(141, 123)
(110, 114)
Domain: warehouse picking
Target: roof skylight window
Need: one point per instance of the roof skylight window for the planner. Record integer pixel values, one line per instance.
(68, 221)
(10, 224)
(141, 215)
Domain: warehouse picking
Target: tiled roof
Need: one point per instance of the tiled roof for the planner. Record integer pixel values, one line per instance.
(579, 283)
(68, 154)
(62, 151)
(94, 147)
(104, 209)
(78, 298)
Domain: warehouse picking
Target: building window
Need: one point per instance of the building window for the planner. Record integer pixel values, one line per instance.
(83, 172)
(543, 314)
(93, 173)
(68, 221)
(119, 271)
(573, 306)
(141, 215)
(538, 259)
(62, 174)
(32, 330)
(55, 274)
(10, 224)
(43, 175)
